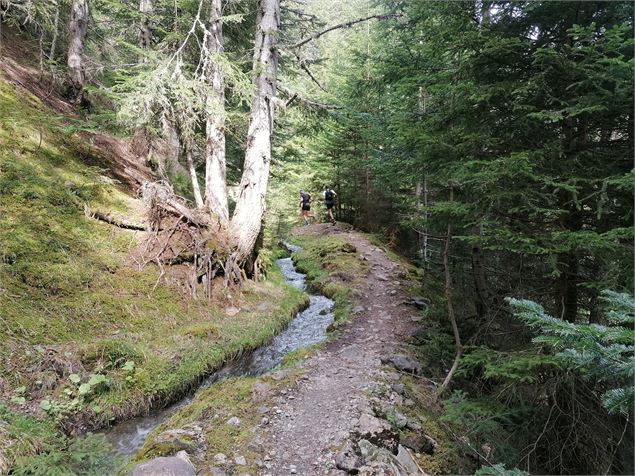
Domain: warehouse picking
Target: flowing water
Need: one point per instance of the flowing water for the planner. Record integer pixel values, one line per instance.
(307, 328)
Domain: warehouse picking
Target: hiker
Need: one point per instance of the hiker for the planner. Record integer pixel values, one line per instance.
(305, 205)
(329, 200)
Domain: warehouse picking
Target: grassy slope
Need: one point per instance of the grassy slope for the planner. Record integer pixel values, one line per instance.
(71, 304)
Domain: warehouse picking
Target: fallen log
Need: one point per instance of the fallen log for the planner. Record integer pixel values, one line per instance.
(97, 215)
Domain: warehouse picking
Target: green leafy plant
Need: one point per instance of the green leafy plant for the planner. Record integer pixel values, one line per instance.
(602, 354)
(88, 456)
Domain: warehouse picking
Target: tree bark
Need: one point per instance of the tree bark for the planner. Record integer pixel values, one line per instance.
(250, 207)
(196, 189)
(567, 287)
(146, 9)
(56, 23)
(76, 61)
(480, 281)
(215, 161)
(451, 315)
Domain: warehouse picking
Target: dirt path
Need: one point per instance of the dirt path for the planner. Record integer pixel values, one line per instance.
(317, 417)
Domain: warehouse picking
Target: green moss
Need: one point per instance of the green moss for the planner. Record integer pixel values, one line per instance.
(333, 267)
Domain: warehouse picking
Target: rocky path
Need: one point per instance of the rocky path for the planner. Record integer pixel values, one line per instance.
(316, 421)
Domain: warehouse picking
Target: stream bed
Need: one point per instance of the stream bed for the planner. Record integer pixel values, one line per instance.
(308, 327)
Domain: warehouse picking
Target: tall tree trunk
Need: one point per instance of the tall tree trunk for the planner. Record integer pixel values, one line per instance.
(56, 24)
(196, 189)
(146, 9)
(78, 29)
(166, 151)
(451, 315)
(567, 287)
(250, 207)
(215, 165)
(478, 273)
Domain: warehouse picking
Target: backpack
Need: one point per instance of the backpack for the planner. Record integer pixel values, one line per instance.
(329, 195)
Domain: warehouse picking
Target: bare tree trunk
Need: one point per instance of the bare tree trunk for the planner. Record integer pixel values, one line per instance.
(250, 207)
(567, 287)
(56, 23)
(167, 150)
(146, 9)
(78, 29)
(196, 189)
(215, 165)
(478, 273)
(451, 316)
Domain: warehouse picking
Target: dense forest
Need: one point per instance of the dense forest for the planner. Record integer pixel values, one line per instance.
(151, 158)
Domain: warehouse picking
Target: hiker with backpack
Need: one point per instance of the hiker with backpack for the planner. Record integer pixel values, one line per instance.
(329, 200)
(305, 205)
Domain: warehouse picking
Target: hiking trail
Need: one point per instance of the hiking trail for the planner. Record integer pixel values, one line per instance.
(318, 416)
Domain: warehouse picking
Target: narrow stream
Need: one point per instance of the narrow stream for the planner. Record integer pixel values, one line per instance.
(306, 328)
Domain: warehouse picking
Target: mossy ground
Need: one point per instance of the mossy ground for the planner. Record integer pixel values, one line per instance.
(72, 303)
(333, 268)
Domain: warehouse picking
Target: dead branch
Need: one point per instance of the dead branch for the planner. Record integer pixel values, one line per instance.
(305, 102)
(347, 24)
(112, 221)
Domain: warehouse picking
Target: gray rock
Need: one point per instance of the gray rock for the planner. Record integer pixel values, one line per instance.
(220, 458)
(189, 438)
(216, 471)
(234, 421)
(348, 460)
(405, 458)
(403, 363)
(377, 432)
(400, 420)
(419, 302)
(240, 461)
(398, 388)
(379, 461)
(413, 425)
(358, 309)
(178, 465)
(420, 443)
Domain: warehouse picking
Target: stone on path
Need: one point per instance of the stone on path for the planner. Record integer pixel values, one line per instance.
(178, 465)
(348, 460)
(403, 363)
(377, 431)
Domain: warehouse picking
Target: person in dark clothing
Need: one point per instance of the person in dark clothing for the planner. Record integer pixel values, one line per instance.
(329, 200)
(305, 205)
